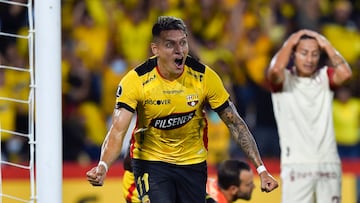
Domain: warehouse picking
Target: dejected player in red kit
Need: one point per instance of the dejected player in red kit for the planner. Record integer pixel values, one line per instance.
(302, 101)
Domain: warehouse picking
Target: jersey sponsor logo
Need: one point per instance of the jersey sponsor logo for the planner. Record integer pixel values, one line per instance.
(157, 101)
(192, 100)
(172, 121)
(118, 91)
(328, 175)
(173, 91)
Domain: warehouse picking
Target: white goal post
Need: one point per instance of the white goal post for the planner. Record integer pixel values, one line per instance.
(48, 114)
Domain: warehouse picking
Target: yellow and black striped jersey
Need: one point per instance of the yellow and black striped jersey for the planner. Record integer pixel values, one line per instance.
(171, 125)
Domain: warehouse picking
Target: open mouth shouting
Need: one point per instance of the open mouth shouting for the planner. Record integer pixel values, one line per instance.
(179, 62)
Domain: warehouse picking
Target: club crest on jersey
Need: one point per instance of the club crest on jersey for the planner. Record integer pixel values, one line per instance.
(192, 100)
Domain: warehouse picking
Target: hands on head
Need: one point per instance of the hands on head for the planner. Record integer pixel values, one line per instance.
(322, 41)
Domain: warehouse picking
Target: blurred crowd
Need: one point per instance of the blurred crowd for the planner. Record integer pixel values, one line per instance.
(103, 39)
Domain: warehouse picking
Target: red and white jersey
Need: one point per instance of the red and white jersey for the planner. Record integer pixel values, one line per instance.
(303, 111)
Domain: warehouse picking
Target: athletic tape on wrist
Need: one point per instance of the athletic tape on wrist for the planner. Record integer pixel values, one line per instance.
(102, 163)
(261, 169)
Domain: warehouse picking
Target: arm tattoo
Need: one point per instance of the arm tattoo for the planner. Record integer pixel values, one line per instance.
(241, 134)
(337, 60)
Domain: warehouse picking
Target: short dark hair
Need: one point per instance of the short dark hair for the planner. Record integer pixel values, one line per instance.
(302, 38)
(228, 173)
(168, 23)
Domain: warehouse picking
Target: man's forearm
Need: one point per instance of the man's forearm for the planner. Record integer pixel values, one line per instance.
(241, 134)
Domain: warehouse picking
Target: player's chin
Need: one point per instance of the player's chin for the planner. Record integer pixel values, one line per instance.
(245, 197)
(179, 68)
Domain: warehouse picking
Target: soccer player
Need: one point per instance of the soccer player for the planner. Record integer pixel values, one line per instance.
(169, 144)
(235, 180)
(302, 100)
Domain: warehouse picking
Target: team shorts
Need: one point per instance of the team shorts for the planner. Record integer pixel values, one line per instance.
(129, 188)
(309, 183)
(163, 182)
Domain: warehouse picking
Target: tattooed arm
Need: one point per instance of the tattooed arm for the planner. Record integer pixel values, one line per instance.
(241, 134)
(245, 140)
